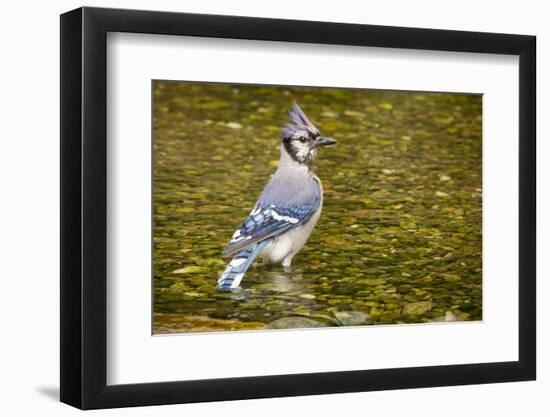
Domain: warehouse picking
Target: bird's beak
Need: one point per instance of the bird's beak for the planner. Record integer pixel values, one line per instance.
(321, 141)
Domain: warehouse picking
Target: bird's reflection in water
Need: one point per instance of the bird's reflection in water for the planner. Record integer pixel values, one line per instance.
(283, 281)
(268, 281)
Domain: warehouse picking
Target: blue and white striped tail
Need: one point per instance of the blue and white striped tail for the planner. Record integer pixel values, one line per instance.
(233, 274)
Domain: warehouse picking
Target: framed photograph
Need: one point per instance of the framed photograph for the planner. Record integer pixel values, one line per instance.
(257, 208)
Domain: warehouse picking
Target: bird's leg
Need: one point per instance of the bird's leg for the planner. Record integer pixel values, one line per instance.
(286, 264)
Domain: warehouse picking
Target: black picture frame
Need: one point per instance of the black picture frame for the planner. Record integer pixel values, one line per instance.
(84, 207)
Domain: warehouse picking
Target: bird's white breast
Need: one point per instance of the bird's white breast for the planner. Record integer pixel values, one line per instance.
(290, 243)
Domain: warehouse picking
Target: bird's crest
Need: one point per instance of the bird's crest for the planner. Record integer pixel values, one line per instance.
(300, 124)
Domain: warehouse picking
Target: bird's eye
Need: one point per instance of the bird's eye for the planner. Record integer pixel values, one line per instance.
(302, 139)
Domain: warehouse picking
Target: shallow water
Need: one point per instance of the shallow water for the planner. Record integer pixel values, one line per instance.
(399, 239)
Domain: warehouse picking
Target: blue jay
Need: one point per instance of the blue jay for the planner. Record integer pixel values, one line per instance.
(288, 208)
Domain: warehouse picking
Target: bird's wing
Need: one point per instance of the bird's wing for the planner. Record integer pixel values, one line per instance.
(270, 221)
